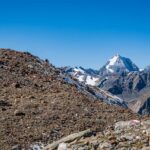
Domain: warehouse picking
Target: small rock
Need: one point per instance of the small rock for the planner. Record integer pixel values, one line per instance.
(17, 85)
(148, 132)
(111, 138)
(19, 113)
(37, 146)
(105, 145)
(62, 146)
(79, 146)
(107, 133)
(146, 148)
(16, 147)
(84, 148)
(144, 131)
(95, 144)
(146, 123)
(127, 137)
(138, 138)
(30, 66)
(123, 145)
(114, 142)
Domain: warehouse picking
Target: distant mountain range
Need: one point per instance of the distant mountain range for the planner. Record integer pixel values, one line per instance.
(121, 77)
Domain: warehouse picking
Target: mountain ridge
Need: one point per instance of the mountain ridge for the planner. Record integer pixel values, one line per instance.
(121, 77)
(39, 103)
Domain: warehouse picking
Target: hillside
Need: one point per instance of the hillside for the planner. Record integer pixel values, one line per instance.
(37, 105)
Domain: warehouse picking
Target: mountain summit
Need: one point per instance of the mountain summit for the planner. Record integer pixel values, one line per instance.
(118, 65)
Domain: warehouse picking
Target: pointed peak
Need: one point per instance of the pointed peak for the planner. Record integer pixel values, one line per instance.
(114, 59)
(119, 64)
(117, 55)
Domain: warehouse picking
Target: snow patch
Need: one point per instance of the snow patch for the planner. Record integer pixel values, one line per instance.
(78, 69)
(82, 75)
(81, 78)
(91, 80)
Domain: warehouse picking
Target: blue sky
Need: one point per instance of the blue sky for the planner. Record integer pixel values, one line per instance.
(77, 32)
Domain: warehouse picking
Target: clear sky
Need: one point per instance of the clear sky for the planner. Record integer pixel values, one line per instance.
(77, 32)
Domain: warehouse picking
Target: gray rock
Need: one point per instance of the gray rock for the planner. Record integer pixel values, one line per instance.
(148, 132)
(146, 123)
(16, 147)
(146, 148)
(84, 148)
(105, 145)
(37, 146)
(126, 124)
(127, 137)
(62, 146)
(19, 113)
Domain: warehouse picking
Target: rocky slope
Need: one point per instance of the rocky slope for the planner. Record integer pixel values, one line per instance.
(38, 103)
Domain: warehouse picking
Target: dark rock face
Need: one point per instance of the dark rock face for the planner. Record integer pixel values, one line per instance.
(133, 82)
(116, 90)
(130, 87)
(112, 84)
(145, 109)
(138, 84)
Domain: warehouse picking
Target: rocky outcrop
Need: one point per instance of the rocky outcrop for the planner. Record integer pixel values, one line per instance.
(145, 108)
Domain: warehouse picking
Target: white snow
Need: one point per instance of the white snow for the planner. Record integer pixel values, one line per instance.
(109, 69)
(115, 62)
(81, 78)
(77, 69)
(91, 80)
(112, 62)
(120, 64)
(141, 69)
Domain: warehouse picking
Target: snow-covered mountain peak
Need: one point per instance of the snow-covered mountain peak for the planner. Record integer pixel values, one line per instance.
(87, 76)
(118, 64)
(116, 60)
